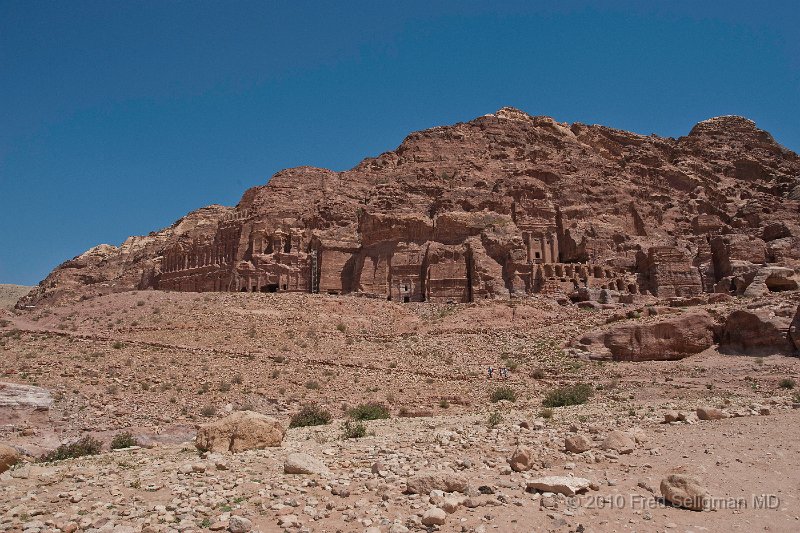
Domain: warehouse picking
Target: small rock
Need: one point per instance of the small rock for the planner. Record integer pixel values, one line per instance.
(577, 443)
(239, 524)
(618, 441)
(302, 463)
(434, 517)
(711, 413)
(521, 460)
(684, 491)
(445, 481)
(569, 486)
(8, 457)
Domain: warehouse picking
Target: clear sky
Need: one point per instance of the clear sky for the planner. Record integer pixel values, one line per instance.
(118, 117)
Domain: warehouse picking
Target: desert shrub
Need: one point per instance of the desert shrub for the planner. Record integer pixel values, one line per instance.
(787, 383)
(208, 411)
(123, 440)
(444, 404)
(369, 411)
(224, 386)
(503, 393)
(538, 373)
(546, 413)
(238, 379)
(341, 327)
(353, 430)
(310, 415)
(569, 395)
(494, 419)
(85, 446)
(312, 385)
(117, 345)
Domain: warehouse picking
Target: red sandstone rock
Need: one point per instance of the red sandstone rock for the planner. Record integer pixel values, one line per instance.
(504, 204)
(672, 338)
(757, 331)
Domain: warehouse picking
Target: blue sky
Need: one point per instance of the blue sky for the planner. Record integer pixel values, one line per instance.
(117, 118)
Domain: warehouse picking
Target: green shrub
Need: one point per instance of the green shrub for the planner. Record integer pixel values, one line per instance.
(494, 419)
(208, 411)
(444, 404)
(369, 411)
(85, 446)
(353, 430)
(787, 383)
(569, 395)
(123, 440)
(310, 415)
(312, 385)
(503, 393)
(546, 413)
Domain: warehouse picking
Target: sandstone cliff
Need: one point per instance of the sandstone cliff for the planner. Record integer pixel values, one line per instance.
(507, 204)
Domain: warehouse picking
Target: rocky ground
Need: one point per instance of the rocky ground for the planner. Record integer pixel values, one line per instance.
(158, 364)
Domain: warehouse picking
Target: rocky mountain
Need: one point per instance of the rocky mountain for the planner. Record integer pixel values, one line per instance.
(505, 205)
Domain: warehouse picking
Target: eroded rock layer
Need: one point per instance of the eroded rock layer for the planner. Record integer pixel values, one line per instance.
(505, 205)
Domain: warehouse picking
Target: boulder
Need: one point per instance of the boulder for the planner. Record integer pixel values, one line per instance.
(711, 413)
(521, 460)
(240, 431)
(569, 486)
(446, 481)
(672, 338)
(8, 457)
(684, 491)
(619, 442)
(302, 463)
(756, 332)
(672, 416)
(577, 443)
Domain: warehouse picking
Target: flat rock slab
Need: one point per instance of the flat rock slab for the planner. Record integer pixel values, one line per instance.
(19, 396)
(569, 486)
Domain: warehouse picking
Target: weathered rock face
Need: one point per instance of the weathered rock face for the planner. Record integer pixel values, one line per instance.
(505, 204)
(671, 338)
(240, 431)
(794, 330)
